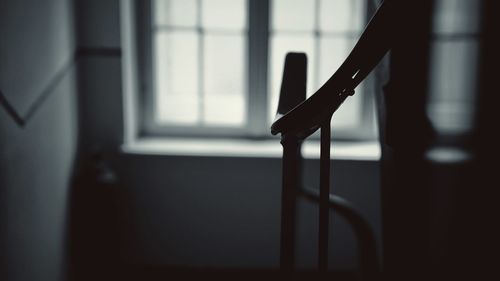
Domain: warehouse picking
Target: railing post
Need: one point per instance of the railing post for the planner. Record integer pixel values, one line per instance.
(297, 118)
(290, 185)
(324, 194)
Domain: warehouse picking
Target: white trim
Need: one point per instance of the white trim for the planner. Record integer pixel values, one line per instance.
(129, 68)
(368, 151)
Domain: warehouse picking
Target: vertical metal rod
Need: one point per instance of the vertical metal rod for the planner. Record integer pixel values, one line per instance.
(290, 185)
(324, 193)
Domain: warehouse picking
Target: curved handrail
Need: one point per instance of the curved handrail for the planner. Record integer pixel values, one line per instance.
(367, 245)
(373, 44)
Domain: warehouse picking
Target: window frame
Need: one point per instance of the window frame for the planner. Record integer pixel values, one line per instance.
(257, 86)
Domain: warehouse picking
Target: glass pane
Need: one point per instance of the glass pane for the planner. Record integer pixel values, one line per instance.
(176, 76)
(333, 52)
(348, 116)
(224, 86)
(280, 46)
(457, 16)
(176, 12)
(452, 88)
(296, 15)
(342, 15)
(224, 14)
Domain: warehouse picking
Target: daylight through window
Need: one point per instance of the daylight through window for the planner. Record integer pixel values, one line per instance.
(201, 55)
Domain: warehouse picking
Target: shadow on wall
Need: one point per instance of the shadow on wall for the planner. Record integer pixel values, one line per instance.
(224, 212)
(94, 221)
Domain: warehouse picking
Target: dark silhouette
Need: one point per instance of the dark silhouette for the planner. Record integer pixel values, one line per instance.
(424, 197)
(80, 199)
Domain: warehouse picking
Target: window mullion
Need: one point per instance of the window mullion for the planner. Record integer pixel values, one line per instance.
(257, 58)
(201, 63)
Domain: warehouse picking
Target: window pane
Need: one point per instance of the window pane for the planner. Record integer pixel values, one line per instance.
(457, 16)
(297, 15)
(333, 52)
(175, 12)
(341, 15)
(224, 14)
(280, 46)
(176, 79)
(348, 116)
(452, 87)
(224, 87)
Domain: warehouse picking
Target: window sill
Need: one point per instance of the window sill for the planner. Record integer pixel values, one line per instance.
(367, 151)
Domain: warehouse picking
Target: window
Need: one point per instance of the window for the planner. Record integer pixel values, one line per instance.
(213, 67)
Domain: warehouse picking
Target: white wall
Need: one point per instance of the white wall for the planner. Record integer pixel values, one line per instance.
(37, 78)
(225, 211)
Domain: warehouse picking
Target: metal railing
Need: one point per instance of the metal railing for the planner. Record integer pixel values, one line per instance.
(297, 118)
